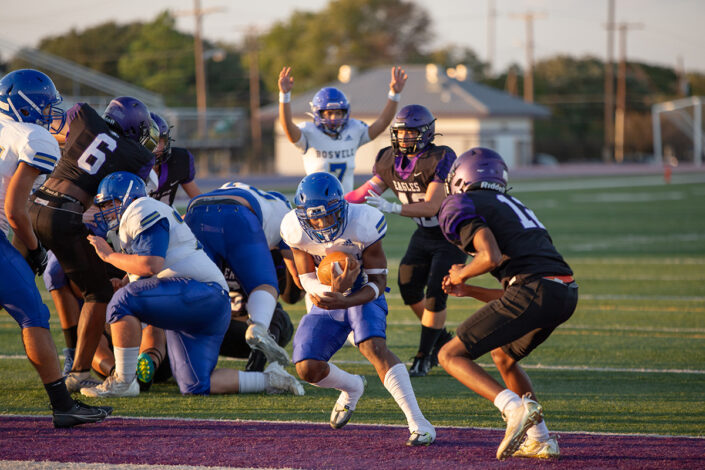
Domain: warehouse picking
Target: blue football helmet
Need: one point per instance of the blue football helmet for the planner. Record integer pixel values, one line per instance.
(330, 98)
(163, 150)
(120, 188)
(478, 168)
(29, 95)
(130, 117)
(415, 117)
(320, 195)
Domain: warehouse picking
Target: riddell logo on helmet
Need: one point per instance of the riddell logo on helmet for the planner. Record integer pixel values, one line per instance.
(490, 185)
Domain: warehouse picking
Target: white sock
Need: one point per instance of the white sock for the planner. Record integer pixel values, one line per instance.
(350, 385)
(260, 307)
(538, 432)
(506, 400)
(126, 363)
(251, 382)
(397, 382)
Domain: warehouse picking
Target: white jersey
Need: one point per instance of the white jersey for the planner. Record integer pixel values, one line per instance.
(184, 257)
(333, 155)
(366, 225)
(23, 142)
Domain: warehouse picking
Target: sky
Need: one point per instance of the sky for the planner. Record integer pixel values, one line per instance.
(662, 32)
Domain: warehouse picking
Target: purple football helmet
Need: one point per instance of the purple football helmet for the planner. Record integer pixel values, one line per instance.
(478, 168)
(29, 95)
(130, 117)
(416, 117)
(163, 150)
(330, 98)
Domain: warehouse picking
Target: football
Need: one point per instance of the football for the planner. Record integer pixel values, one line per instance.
(337, 261)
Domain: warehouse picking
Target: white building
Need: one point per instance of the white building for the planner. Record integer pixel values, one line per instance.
(468, 115)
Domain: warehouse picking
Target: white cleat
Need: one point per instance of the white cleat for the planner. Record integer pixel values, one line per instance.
(280, 381)
(533, 449)
(519, 420)
(113, 388)
(258, 337)
(422, 438)
(75, 381)
(341, 414)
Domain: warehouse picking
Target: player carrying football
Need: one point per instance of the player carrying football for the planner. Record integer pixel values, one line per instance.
(354, 302)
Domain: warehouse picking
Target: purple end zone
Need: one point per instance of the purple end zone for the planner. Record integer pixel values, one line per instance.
(298, 445)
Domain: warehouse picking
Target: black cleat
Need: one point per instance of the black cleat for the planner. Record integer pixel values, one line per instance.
(80, 413)
(421, 366)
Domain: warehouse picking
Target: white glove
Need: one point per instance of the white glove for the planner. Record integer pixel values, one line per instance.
(382, 204)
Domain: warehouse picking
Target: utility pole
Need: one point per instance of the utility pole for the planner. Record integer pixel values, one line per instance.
(620, 113)
(198, 13)
(491, 22)
(608, 146)
(529, 18)
(255, 126)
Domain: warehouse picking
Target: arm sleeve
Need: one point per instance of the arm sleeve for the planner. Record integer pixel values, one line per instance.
(153, 241)
(191, 168)
(444, 165)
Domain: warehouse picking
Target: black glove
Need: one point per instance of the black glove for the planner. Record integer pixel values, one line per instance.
(37, 259)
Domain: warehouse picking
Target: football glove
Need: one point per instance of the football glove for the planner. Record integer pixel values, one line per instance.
(38, 259)
(382, 204)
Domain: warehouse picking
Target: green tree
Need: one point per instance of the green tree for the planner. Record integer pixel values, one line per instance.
(360, 33)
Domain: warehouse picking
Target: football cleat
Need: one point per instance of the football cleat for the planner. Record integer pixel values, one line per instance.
(534, 449)
(421, 438)
(68, 360)
(421, 366)
(341, 414)
(519, 420)
(113, 388)
(258, 337)
(75, 381)
(280, 381)
(80, 413)
(145, 371)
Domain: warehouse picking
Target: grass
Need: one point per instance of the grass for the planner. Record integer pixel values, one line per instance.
(618, 365)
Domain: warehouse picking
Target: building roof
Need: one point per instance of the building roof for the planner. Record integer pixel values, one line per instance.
(427, 85)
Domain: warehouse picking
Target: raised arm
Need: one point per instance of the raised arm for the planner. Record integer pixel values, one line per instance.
(396, 85)
(286, 83)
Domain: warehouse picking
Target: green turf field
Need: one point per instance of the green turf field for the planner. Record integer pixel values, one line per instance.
(631, 359)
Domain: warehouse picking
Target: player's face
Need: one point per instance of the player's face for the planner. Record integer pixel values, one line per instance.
(333, 114)
(407, 137)
(322, 222)
(109, 208)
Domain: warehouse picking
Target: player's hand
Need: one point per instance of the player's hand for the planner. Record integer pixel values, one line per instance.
(398, 79)
(330, 301)
(340, 282)
(286, 81)
(38, 259)
(101, 246)
(382, 204)
(456, 290)
(455, 274)
(118, 283)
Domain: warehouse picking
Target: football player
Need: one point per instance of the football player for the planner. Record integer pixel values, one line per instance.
(415, 169)
(539, 293)
(174, 286)
(238, 225)
(95, 147)
(330, 142)
(174, 166)
(322, 222)
(28, 112)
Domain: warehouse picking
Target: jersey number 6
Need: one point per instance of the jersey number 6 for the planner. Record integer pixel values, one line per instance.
(93, 157)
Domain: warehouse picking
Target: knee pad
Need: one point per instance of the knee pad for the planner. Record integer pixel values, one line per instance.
(412, 281)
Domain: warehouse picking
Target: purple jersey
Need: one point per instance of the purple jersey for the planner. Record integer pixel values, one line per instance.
(527, 249)
(409, 177)
(178, 169)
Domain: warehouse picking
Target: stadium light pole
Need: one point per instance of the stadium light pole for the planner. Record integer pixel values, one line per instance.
(607, 149)
(620, 113)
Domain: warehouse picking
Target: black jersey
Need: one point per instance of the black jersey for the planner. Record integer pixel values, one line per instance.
(409, 177)
(177, 170)
(93, 151)
(527, 249)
